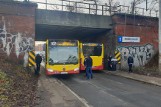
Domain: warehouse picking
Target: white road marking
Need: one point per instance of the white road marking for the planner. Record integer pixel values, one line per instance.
(81, 99)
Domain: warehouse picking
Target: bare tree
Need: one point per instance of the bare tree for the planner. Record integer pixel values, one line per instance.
(71, 7)
(111, 6)
(74, 7)
(134, 4)
(153, 5)
(95, 1)
(94, 4)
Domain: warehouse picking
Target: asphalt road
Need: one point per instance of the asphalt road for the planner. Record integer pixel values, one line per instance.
(106, 90)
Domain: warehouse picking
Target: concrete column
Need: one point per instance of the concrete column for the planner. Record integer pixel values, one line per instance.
(159, 36)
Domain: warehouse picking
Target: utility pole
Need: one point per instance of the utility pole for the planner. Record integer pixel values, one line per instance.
(133, 7)
(146, 5)
(159, 36)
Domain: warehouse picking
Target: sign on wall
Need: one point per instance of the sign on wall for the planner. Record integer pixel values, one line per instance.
(128, 39)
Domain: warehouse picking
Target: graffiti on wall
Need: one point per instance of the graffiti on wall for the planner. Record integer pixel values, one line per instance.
(16, 43)
(141, 54)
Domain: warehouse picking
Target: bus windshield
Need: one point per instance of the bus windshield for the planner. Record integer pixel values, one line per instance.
(92, 50)
(63, 55)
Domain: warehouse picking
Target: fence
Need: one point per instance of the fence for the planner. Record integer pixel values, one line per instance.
(90, 8)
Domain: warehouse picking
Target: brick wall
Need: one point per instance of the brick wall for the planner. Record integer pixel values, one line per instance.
(137, 26)
(17, 30)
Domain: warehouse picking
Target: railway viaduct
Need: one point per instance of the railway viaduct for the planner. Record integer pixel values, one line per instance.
(22, 23)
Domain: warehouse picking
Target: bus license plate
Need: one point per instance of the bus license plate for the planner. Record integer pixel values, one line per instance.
(64, 72)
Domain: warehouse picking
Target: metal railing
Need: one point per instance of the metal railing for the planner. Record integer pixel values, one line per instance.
(90, 8)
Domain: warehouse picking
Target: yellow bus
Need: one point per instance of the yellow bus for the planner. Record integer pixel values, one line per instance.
(96, 51)
(62, 57)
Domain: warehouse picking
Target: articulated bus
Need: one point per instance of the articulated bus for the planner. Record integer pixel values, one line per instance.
(62, 57)
(96, 51)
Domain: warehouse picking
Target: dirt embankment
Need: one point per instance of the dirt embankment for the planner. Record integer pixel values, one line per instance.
(17, 85)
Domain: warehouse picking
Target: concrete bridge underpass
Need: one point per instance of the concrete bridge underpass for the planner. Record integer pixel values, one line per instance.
(68, 25)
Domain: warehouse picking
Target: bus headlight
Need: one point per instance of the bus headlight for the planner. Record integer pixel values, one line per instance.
(49, 70)
(76, 69)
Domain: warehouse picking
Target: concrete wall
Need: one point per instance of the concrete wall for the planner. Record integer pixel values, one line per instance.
(48, 17)
(137, 26)
(17, 30)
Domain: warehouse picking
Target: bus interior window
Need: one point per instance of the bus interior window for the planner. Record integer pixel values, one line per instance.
(97, 51)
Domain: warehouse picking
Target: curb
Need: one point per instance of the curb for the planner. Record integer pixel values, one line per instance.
(153, 82)
(150, 80)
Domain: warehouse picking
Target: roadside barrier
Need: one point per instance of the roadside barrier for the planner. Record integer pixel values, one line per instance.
(118, 56)
(31, 59)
